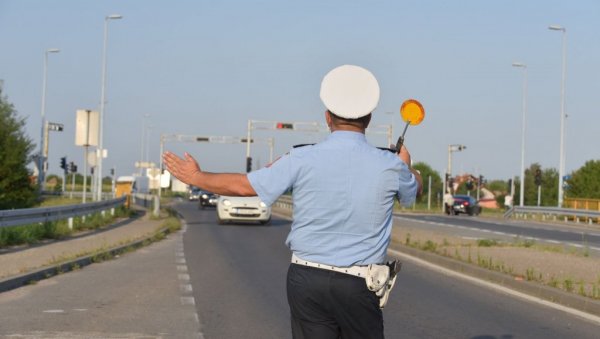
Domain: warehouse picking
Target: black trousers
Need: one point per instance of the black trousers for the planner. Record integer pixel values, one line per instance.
(331, 305)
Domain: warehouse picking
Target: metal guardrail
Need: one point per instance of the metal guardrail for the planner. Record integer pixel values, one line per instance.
(553, 213)
(27, 216)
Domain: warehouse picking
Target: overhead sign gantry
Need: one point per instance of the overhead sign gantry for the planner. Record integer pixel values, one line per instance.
(302, 126)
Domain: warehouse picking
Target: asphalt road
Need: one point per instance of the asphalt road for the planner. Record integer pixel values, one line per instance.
(578, 236)
(238, 277)
(138, 295)
(228, 281)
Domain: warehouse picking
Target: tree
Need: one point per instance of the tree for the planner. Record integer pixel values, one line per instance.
(585, 182)
(436, 182)
(549, 187)
(16, 190)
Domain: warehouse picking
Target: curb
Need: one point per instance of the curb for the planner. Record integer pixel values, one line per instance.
(32, 277)
(536, 290)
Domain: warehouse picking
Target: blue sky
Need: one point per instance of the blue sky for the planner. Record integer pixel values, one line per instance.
(206, 67)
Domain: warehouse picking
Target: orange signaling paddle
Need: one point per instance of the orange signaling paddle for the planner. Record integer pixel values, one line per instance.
(413, 113)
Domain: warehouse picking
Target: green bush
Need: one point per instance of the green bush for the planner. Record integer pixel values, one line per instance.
(487, 242)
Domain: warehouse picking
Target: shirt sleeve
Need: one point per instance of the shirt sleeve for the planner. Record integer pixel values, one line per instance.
(408, 186)
(272, 181)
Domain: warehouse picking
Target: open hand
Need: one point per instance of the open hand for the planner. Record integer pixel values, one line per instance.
(183, 169)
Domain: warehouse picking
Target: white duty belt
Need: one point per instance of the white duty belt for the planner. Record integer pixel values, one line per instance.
(380, 278)
(358, 271)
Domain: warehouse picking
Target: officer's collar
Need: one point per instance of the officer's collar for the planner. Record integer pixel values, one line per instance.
(347, 135)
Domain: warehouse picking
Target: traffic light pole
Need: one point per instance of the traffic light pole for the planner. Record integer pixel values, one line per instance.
(248, 138)
(85, 157)
(303, 126)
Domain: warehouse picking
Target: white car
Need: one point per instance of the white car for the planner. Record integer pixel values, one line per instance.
(232, 209)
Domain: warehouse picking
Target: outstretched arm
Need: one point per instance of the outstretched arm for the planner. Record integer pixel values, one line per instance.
(188, 171)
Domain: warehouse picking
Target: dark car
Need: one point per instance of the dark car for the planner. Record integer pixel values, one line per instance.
(194, 194)
(465, 204)
(208, 199)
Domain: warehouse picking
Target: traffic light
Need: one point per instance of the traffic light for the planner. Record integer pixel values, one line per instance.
(112, 172)
(509, 189)
(248, 164)
(469, 185)
(480, 180)
(72, 167)
(538, 177)
(63, 163)
(285, 125)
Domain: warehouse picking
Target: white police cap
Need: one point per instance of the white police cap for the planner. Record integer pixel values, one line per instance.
(350, 91)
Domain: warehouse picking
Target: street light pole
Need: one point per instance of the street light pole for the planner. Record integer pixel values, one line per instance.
(100, 149)
(561, 165)
(522, 173)
(42, 154)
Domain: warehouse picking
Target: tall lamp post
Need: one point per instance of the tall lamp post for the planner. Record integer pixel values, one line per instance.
(43, 150)
(561, 163)
(100, 151)
(522, 173)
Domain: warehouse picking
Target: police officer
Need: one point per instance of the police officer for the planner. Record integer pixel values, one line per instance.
(343, 192)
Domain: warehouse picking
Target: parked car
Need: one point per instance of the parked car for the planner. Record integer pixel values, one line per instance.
(194, 194)
(242, 209)
(208, 199)
(465, 204)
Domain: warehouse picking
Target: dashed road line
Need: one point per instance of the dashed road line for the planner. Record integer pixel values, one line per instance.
(498, 233)
(185, 288)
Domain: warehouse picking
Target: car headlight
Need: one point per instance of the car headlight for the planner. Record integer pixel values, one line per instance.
(204, 196)
(262, 204)
(226, 202)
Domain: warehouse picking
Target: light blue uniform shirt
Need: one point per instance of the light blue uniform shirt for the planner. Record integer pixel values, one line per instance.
(343, 193)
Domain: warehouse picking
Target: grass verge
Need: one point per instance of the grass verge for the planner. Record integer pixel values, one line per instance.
(567, 268)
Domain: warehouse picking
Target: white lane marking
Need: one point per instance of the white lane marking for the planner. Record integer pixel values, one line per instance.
(499, 288)
(54, 311)
(185, 289)
(80, 309)
(188, 301)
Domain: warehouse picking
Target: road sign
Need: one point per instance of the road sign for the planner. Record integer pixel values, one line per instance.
(86, 127)
(52, 126)
(144, 164)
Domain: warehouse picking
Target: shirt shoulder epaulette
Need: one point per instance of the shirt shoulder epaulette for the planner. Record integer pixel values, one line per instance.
(302, 145)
